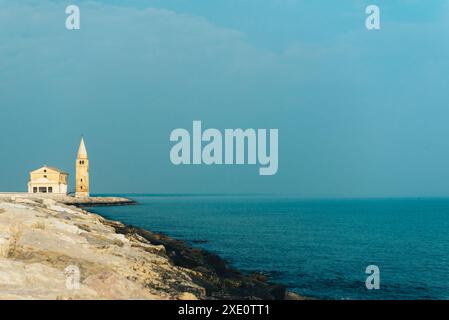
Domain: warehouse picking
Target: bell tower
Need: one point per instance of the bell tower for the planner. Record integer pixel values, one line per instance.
(82, 171)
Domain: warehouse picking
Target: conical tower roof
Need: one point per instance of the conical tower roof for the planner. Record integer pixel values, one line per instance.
(82, 152)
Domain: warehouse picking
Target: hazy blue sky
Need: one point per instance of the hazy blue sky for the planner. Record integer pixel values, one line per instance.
(360, 113)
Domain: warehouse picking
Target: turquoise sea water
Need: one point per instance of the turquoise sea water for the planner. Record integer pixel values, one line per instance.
(318, 248)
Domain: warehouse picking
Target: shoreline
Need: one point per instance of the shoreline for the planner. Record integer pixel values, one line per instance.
(71, 200)
(116, 261)
(220, 280)
(210, 271)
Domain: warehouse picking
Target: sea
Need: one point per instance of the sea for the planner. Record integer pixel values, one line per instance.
(317, 248)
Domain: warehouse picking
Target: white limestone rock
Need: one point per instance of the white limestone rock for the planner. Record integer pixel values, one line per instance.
(41, 239)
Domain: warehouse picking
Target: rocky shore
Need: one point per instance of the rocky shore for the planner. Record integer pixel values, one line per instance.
(46, 245)
(69, 200)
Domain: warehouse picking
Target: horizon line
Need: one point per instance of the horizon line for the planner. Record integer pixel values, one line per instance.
(268, 195)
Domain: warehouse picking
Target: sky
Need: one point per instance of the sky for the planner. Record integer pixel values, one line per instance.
(360, 113)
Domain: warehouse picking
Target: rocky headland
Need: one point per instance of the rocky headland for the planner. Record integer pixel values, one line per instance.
(46, 244)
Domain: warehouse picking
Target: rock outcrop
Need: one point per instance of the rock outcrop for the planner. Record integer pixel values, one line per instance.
(50, 250)
(45, 246)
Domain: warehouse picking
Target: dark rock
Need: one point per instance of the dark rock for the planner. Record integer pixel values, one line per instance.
(199, 241)
(216, 276)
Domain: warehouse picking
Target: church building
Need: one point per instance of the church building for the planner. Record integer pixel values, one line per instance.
(52, 180)
(48, 180)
